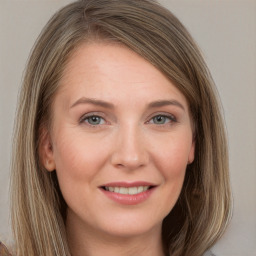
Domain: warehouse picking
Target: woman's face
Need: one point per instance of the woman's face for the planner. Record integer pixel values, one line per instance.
(120, 142)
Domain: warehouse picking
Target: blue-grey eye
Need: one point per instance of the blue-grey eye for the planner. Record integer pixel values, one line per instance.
(94, 120)
(159, 119)
(162, 119)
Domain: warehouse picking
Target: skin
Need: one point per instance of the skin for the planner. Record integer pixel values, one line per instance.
(134, 139)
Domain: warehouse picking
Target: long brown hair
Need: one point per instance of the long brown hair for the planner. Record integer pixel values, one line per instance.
(38, 210)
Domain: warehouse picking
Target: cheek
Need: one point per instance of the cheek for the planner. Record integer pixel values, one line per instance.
(77, 164)
(75, 160)
(79, 157)
(173, 170)
(172, 162)
(170, 158)
(172, 155)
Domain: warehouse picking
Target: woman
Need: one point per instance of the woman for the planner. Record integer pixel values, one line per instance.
(119, 145)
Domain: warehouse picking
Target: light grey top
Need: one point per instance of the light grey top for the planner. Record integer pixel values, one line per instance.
(209, 253)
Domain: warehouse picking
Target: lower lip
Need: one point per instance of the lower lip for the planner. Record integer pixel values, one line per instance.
(129, 199)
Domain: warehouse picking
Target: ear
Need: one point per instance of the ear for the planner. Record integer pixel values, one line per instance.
(45, 150)
(191, 155)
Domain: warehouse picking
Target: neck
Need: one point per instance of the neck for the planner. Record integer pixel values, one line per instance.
(84, 241)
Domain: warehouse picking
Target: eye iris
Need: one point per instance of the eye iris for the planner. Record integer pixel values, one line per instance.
(94, 120)
(159, 119)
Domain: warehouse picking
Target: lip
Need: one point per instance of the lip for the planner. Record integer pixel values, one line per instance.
(126, 199)
(128, 184)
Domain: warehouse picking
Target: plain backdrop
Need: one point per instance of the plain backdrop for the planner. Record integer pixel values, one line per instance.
(225, 31)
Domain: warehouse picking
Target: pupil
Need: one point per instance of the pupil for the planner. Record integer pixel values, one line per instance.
(95, 119)
(159, 119)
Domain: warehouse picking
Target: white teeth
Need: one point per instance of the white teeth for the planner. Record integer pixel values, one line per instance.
(111, 189)
(133, 191)
(127, 191)
(140, 189)
(123, 191)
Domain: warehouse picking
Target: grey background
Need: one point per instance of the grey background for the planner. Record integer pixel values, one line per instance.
(226, 32)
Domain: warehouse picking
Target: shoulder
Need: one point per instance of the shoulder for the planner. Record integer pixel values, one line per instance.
(3, 250)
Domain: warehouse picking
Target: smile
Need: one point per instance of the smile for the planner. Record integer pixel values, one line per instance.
(127, 190)
(128, 193)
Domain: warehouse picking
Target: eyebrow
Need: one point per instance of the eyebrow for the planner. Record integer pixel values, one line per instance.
(162, 103)
(101, 103)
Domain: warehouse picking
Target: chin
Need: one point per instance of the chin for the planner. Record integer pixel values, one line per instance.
(131, 225)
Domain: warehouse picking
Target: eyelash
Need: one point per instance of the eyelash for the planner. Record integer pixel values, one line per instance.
(85, 119)
(172, 119)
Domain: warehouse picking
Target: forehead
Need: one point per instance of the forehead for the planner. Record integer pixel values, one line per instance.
(112, 70)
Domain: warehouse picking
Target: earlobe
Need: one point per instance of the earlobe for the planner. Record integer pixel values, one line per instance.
(46, 151)
(191, 155)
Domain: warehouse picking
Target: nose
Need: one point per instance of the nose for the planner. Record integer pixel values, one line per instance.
(130, 151)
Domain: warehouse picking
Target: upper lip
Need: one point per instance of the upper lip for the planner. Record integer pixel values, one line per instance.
(128, 184)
